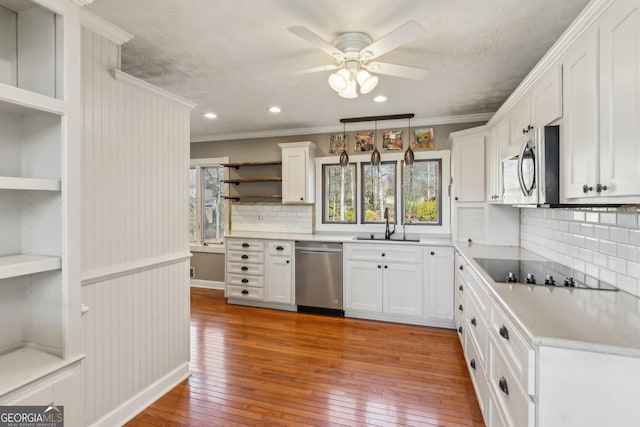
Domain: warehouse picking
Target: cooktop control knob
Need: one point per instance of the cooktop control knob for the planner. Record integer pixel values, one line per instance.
(549, 280)
(568, 281)
(531, 279)
(511, 278)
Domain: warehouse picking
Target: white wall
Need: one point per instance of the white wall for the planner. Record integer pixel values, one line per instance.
(601, 242)
(135, 158)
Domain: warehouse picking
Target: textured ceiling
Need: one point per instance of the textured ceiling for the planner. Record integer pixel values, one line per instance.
(236, 57)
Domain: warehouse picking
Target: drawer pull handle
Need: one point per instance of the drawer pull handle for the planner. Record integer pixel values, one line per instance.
(245, 280)
(245, 245)
(473, 364)
(504, 332)
(245, 292)
(244, 268)
(245, 257)
(473, 321)
(461, 288)
(502, 383)
(460, 329)
(460, 307)
(279, 248)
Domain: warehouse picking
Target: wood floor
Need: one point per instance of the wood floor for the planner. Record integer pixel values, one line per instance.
(258, 367)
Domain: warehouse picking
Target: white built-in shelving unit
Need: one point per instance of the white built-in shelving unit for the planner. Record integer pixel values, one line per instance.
(38, 115)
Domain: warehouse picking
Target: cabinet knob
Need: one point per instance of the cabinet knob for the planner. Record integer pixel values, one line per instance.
(386, 266)
(279, 248)
(473, 321)
(473, 364)
(245, 292)
(461, 288)
(503, 385)
(288, 261)
(455, 198)
(244, 268)
(379, 266)
(504, 332)
(586, 189)
(461, 268)
(301, 198)
(469, 240)
(460, 307)
(600, 188)
(245, 245)
(460, 329)
(433, 253)
(524, 131)
(245, 280)
(383, 254)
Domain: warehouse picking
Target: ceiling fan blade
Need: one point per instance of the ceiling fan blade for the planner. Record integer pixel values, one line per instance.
(403, 71)
(316, 69)
(311, 37)
(401, 35)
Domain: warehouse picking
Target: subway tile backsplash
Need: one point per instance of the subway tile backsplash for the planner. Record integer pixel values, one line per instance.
(603, 243)
(272, 218)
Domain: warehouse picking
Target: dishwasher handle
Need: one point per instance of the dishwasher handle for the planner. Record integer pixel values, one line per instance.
(319, 251)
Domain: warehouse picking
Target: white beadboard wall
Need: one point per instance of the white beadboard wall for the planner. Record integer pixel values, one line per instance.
(600, 242)
(135, 263)
(275, 218)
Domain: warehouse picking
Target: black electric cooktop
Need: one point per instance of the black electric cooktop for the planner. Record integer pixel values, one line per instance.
(539, 272)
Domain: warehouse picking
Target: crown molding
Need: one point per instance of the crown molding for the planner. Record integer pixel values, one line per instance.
(83, 2)
(444, 120)
(105, 28)
(588, 15)
(466, 133)
(123, 77)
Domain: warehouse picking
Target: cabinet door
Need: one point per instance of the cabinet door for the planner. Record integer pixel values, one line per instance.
(402, 291)
(363, 286)
(468, 170)
(520, 117)
(439, 283)
(279, 280)
(620, 99)
(580, 83)
(546, 97)
(294, 175)
(493, 179)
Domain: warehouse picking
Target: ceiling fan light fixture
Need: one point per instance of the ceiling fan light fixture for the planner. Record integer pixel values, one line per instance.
(366, 81)
(350, 92)
(339, 80)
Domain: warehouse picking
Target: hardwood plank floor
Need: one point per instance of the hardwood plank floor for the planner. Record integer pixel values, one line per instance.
(259, 367)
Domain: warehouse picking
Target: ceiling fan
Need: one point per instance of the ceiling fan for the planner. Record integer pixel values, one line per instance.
(353, 52)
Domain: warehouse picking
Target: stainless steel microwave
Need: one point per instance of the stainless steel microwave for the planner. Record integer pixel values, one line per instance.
(531, 168)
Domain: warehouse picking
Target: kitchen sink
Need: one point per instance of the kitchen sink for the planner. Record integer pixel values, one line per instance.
(382, 239)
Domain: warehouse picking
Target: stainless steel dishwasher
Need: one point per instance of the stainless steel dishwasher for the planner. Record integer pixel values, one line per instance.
(319, 277)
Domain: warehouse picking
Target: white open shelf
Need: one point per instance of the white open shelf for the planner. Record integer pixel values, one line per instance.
(18, 183)
(19, 265)
(15, 100)
(25, 365)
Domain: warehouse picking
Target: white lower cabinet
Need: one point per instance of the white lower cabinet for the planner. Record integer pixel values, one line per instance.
(399, 283)
(279, 277)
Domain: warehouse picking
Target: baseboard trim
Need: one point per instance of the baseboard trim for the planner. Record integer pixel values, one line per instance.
(208, 284)
(132, 407)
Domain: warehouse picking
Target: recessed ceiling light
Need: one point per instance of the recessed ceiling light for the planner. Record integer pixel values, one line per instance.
(275, 109)
(210, 115)
(380, 98)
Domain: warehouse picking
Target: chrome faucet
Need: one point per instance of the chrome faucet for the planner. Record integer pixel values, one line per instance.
(387, 233)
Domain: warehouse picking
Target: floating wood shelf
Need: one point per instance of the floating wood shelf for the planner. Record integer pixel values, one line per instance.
(240, 164)
(240, 180)
(255, 197)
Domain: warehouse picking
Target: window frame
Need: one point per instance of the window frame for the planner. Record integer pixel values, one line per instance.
(199, 165)
(440, 186)
(363, 219)
(324, 194)
(359, 228)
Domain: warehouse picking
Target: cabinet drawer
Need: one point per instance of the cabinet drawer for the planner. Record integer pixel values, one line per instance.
(245, 268)
(478, 377)
(245, 292)
(279, 248)
(476, 286)
(519, 354)
(391, 253)
(477, 328)
(496, 418)
(511, 398)
(245, 257)
(458, 320)
(245, 245)
(244, 280)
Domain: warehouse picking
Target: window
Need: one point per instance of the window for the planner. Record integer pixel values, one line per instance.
(422, 188)
(206, 201)
(339, 194)
(378, 192)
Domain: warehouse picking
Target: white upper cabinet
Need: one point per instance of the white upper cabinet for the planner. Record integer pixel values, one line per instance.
(497, 141)
(468, 169)
(520, 118)
(298, 172)
(620, 100)
(602, 108)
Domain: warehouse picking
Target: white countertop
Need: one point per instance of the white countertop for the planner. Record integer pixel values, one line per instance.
(581, 319)
(351, 238)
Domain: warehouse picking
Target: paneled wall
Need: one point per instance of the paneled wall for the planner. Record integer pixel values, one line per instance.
(135, 279)
(600, 242)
